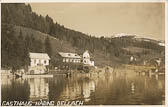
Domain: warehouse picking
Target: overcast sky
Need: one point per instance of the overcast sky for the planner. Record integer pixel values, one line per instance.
(107, 19)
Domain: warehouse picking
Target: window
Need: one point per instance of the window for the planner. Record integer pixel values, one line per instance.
(67, 60)
(64, 60)
(39, 61)
(45, 61)
(35, 61)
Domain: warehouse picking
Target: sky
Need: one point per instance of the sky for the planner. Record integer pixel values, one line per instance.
(108, 19)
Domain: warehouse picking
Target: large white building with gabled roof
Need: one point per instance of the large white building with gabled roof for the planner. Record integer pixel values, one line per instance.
(39, 59)
(70, 57)
(75, 58)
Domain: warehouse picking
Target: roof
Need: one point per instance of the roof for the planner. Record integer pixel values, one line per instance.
(86, 54)
(39, 56)
(69, 55)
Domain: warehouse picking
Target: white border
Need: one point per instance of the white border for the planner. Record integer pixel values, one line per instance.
(46, 1)
(166, 53)
(0, 54)
(107, 1)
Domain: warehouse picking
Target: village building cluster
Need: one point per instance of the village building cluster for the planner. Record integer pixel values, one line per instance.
(39, 61)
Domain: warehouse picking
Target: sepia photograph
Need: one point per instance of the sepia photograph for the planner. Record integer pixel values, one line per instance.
(83, 53)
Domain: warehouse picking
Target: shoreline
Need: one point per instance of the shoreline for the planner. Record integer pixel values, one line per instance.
(136, 68)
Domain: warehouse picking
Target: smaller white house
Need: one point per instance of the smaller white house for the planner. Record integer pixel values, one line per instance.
(86, 59)
(39, 59)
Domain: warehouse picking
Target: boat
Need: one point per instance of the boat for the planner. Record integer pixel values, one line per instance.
(34, 75)
(38, 76)
(19, 73)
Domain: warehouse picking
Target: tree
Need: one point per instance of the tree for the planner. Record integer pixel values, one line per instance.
(29, 8)
(48, 48)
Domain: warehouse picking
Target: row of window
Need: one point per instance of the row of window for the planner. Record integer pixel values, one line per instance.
(71, 60)
(35, 61)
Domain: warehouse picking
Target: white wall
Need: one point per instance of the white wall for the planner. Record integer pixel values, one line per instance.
(91, 63)
(35, 62)
(86, 59)
(71, 60)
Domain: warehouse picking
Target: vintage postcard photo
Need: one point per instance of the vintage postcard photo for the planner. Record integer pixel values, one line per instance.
(83, 53)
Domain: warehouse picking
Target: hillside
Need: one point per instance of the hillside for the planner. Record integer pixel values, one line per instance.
(24, 31)
(57, 45)
(100, 57)
(63, 46)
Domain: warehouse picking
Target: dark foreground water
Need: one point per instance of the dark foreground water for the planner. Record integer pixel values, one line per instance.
(122, 87)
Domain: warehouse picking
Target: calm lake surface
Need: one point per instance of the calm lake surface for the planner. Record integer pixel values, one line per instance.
(121, 87)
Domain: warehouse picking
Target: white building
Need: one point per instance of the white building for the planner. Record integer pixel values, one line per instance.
(39, 59)
(86, 59)
(69, 57)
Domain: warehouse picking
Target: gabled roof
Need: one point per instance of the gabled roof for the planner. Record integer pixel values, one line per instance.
(86, 54)
(69, 55)
(39, 56)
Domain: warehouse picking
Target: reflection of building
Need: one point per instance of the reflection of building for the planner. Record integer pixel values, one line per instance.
(71, 93)
(87, 59)
(80, 89)
(88, 87)
(38, 88)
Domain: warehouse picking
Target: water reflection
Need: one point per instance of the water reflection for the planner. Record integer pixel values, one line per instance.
(78, 88)
(39, 88)
(120, 87)
(14, 89)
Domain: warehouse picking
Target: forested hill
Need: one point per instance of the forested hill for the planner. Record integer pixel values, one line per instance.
(24, 31)
(22, 15)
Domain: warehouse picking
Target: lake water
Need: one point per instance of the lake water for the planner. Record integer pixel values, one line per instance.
(121, 87)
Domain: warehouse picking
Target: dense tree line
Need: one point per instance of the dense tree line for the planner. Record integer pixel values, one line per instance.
(22, 15)
(15, 49)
